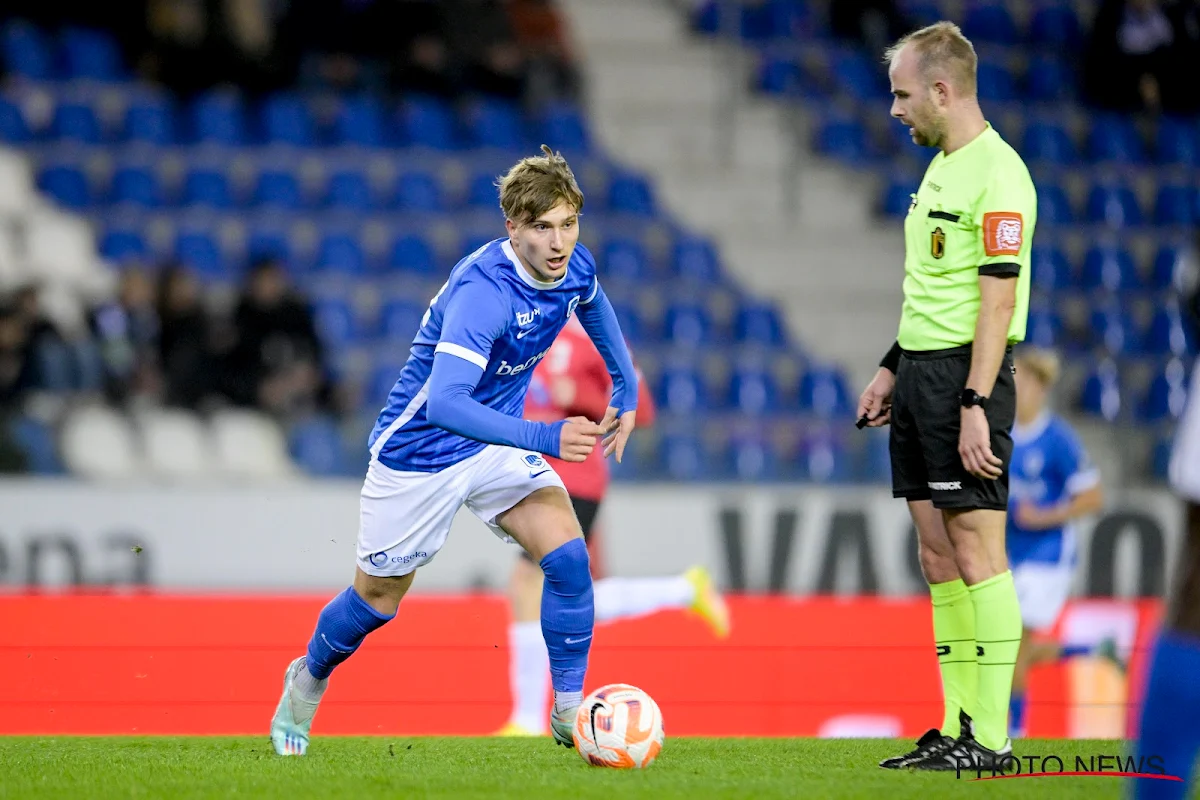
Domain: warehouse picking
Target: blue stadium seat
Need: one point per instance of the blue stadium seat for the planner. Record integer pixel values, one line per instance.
(399, 322)
(137, 185)
(1049, 79)
(563, 127)
(318, 448)
(876, 463)
(348, 189)
(1114, 205)
(1169, 332)
(218, 117)
(67, 185)
(491, 122)
(149, 118)
(687, 324)
(695, 259)
(923, 12)
(1115, 138)
(1169, 267)
(1177, 204)
(206, 186)
(859, 76)
(384, 373)
(684, 458)
(624, 258)
(681, 390)
(1044, 327)
(361, 121)
(752, 458)
(995, 82)
(14, 128)
(823, 392)
(1109, 267)
(36, 441)
(268, 238)
(278, 189)
(780, 75)
(631, 194)
(122, 245)
(1113, 329)
(897, 197)
(990, 22)
(1051, 269)
(1101, 392)
(334, 321)
(27, 51)
(842, 138)
(428, 122)
(1166, 393)
(482, 191)
(284, 119)
(419, 191)
(76, 122)
(1160, 456)
(91, 54)
(412, 253)
(630, 319)
(199, 249)
(340, 252)
(753, 391)
(759, 324)
(1177, 142)
(1046, 141)
(824, 458)
(1056, 25)
(1054, 206)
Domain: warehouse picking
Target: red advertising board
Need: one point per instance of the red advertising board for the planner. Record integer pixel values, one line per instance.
(170, 664)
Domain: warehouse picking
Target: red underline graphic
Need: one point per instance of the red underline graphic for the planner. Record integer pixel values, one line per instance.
(1082, 775)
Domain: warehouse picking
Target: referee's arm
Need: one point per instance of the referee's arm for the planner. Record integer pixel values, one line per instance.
(997, 302)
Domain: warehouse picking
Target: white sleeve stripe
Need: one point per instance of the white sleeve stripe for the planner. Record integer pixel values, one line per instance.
(1082, 481)
(595, 291)
(462, 352)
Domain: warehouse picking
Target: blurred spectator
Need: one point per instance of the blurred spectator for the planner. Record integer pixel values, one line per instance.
(541, 33)
(186, 340)
(277, 362)
(127, 331)
(874, 23)
(1143, 56)
(55, 362)
(13, 353)
(483, 43)
(420, 57)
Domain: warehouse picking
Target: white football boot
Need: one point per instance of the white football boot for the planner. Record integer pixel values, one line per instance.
(293, 717)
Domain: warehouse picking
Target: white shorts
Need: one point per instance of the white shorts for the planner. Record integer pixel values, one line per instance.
(405, 517)
(1042, 591)
(1185, 454)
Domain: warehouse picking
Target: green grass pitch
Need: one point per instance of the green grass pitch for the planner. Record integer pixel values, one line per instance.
(426, 767)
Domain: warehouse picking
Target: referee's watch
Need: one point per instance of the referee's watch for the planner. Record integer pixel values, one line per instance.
(970, 398)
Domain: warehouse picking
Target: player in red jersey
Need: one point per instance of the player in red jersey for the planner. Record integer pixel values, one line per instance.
(572, 381)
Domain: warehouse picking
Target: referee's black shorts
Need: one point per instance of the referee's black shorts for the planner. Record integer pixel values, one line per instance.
(586, 512)
(926, 409)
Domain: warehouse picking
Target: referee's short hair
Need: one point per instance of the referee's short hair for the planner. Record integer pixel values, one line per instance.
(941, 47)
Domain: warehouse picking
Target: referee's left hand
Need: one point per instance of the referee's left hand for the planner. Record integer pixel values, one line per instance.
(975, 445)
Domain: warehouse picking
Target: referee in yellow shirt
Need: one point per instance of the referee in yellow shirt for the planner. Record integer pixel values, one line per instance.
(947, 387)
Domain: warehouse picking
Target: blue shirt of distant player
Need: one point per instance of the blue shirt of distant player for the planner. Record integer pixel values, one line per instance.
(1048, 467)
(503, 320)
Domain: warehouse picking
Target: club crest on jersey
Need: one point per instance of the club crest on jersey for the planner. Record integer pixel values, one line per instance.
(937, 243)
(571, 306)
(525, 318)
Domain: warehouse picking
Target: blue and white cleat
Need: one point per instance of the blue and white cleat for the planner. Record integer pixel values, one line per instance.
(562, 725)
(293, 717)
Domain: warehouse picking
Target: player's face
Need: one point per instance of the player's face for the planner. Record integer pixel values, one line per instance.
(916, 102)
(1031, 394)
(545, 244)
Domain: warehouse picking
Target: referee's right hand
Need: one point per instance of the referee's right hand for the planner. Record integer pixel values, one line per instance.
(875, 403)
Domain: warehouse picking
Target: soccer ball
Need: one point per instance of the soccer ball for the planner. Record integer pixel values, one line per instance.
(619, 726)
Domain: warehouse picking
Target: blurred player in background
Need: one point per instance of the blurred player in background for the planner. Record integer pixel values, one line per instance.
(1051, 483)
(1169, 725)
(572, 381)
(452, 434)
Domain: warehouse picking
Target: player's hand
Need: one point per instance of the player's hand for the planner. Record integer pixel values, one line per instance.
(617, 431)
(577, 439)
(1035, 518)
(875, 403)
(975, 445)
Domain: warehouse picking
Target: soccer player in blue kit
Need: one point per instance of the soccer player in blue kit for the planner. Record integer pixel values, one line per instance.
(451, 434)
(1051, 484)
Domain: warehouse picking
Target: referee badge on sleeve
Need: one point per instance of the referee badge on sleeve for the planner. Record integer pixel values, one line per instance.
(937, 243)
(1003, 233)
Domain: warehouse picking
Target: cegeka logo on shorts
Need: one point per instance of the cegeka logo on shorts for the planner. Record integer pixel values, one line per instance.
(509, 369)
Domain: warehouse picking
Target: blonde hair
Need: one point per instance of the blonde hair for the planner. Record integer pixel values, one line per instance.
(537, 184)
(941, 47)
(1040, 363)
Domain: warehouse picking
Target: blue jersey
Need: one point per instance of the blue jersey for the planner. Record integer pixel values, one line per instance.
(494, 314)
(1048, 467)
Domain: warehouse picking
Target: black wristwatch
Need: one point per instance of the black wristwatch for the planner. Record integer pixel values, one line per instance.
(970, 397)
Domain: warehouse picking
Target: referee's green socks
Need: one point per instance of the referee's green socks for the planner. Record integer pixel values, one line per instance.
(954, 633)
(998, 636)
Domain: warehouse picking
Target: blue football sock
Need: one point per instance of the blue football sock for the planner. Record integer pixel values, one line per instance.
(1016, 714)
(1169, 727)
(568, 614)
(342, 626)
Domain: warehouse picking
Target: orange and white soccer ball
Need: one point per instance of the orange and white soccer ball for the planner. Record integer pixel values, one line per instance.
(619, 726)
